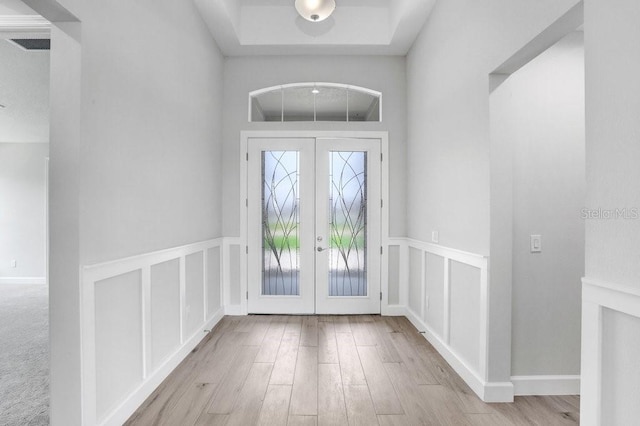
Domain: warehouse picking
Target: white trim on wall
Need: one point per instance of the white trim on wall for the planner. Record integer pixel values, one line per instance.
(151, 377)
(227, 284)
(24, 26)
(399, 309)
(596, 296)
(383, 136)
(487, 391)
(476, 378)
(546, 385)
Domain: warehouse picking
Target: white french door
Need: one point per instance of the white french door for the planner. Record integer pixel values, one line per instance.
(314, 218)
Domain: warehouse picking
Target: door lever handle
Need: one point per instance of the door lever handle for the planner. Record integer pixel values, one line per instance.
(320, 249)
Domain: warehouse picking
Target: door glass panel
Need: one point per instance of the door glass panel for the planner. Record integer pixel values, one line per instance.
(348, 223)
(280, 223)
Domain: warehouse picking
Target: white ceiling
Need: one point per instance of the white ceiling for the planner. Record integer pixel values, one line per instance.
(273, 27)
(15, 7)
(24, 91)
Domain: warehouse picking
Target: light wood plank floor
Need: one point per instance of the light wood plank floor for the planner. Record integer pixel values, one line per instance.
(329, 370)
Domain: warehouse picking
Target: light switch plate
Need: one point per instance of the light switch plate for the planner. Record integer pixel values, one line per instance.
(435, 236)
(536, 244)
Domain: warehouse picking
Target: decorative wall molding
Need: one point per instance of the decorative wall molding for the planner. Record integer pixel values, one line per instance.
(23, 280)
(475, 377)
(399, 309)
(24, 26)
(227, 282)
(151, 376)
(596, 296)
(487, 391)
(546, 385)
(121, 413)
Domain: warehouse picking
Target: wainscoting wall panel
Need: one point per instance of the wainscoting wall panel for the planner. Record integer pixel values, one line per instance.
(448, 301)
(118, 330)
(194, 293)
(416, 290)
(464, 323)
(393, 275)
(434, 293)
(610, 351)
(142, 316)
(234, 275)
(165, 310)
(214, 280)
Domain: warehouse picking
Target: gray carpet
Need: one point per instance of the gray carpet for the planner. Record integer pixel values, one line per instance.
(24, 354)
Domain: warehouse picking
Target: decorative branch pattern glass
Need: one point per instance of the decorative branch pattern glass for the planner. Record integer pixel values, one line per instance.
(348, 224)
(280, 223)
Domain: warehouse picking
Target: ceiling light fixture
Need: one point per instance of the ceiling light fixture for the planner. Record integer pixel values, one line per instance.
(315, 91)
(315, 10)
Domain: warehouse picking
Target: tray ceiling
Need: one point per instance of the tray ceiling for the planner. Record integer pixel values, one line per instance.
(273, 27)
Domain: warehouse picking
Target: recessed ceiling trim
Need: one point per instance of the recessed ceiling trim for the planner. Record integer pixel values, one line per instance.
(24, 26)
(26, 23)
(273, 27)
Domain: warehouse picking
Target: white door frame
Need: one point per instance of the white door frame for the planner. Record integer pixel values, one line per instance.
(384, 193)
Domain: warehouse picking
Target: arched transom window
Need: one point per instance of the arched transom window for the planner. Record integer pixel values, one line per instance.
(315, 102)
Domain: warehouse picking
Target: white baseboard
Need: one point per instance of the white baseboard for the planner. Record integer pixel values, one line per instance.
(138, 396)
(546, 385)
(487, 391)
(233, 310)
(23, 280)
(394, 311)
(497, 392)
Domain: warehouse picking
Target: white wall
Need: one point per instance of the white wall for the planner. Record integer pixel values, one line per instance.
(22, 209)
(613, 149)
(542, 106)
(151, 159)
(25, 94)
(612, 250)
(140, 168)
(448, 107)
(24, 138)
(448, 147)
